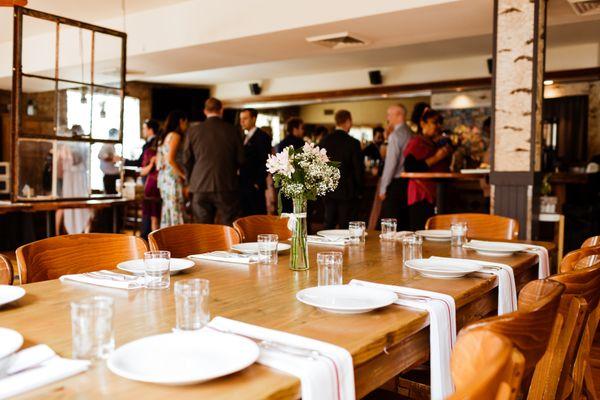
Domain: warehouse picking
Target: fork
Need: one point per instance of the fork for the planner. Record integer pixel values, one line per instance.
(110, 275)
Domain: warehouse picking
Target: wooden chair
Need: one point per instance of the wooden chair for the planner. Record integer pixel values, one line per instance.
(183, 240)
(6, 271)
(67, 254)
(530, 327)
(486, 365)
(591, 241)
(479, 225)
(252, 226)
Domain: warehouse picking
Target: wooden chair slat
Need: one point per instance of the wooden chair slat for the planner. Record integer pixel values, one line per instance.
(252, 226)
(479, 225)
(591, 241)
(6, 271)
(183, 240)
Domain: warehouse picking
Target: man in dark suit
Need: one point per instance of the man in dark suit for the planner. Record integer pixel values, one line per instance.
(340, 205)
(294, 129)
(213, 153)
(253, 173)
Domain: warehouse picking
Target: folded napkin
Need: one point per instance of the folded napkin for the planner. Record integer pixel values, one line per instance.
(442, 330)
(507, 290)
(315, 239)
(225, 256)
(542, 253)
(31, 377)
(327, 373)
(107, 279)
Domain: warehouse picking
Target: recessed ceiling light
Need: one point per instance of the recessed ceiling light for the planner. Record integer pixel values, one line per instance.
(548, 82)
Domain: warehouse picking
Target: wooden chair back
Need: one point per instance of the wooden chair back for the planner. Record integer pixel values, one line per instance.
(252, 226)
(581, 258)
(6, 271)
(69, 254)
(486, 226)
(530, 327)
(183, 240)
(486, 365)
(591, 241)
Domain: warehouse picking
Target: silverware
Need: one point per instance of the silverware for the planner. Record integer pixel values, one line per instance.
(110, 276)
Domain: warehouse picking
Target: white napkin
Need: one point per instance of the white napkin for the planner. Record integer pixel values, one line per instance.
(52, 370)
(329, 376)
(127, 282)
(507, 290)
(542, 253)
(225, 256)
(315, 239)
(442, 331)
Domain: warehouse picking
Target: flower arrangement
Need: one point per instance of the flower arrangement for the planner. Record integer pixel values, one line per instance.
(301, 175)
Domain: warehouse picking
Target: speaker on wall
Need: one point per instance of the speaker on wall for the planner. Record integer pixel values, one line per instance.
(375, 77)
(255, 89)
(490, 65)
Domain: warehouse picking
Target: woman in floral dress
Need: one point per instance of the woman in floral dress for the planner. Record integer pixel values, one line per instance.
(171, 175)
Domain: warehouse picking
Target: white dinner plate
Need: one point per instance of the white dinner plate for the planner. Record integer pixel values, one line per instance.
(9, 293)
(10, 341)
(183, 358)
(252, 247)
(136, 267)
(346, 299)
(336, 234)
(439, 235)
(443, 268)
(498, 249)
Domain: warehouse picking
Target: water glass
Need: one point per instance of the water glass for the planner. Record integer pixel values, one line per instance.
(267, 248)
(388, 228)
(458, 232)
(191, 302)
(357, 231)
(330, 268)
(157, 269)
(92, 328)
(412, 247)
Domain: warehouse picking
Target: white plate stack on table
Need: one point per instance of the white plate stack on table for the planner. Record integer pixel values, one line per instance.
(9, 293)
(435, 235)
(442, 329)
(503, 249)
(225, 257)
(106, 278)
(137, 267)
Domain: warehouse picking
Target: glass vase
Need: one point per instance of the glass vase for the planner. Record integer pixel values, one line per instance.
(299, 250)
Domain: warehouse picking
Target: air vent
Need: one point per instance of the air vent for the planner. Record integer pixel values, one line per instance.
(585, 7)
(336, 41)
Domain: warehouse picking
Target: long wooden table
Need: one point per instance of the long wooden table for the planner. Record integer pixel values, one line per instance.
(382, 343)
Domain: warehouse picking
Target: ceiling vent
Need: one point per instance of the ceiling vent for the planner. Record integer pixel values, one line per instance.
(336, 41)
(585, 7)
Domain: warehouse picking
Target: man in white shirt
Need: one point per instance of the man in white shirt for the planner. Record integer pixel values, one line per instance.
(108, 159)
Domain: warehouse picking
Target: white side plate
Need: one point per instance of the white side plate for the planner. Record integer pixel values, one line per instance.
(439, 235)
(9, 293)
(442, 268)
(346, 299)
(252, 247)
(10, 342)
(136, 267)
(496, 249)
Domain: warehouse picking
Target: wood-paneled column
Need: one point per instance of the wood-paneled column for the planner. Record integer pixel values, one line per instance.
(519, 49)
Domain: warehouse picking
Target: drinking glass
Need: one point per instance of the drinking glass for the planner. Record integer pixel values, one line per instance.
(388, 228)
(357, 232)
(330, 268)
(157, 269)
(267, 248)
(412, 247)
(92, 329)
(191, 302)
(458, 232)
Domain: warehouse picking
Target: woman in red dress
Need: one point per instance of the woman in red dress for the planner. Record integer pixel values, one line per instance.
(424, 153)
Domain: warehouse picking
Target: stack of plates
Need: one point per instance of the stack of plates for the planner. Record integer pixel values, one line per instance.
(136, 267)
(346, 299)
(443, 268)
(438, 235)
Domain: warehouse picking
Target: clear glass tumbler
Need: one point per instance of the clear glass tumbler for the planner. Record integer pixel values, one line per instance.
(330, 265)
(458, 232)
(157, 269)
(412, 247)
(267, 248)
(92, 328)
(388, 228)
(191, 302)
(357, 232)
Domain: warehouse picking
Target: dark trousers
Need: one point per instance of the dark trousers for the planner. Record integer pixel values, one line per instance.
(205, 206)
(419, 213)
(395, 204)
(338, 213)
(253, 201)
(110, 183)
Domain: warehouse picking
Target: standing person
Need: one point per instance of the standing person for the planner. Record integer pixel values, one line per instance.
(392, 188)
(213, 153)
(253, 173)
(294, 129)
(108, 163)
(171, 175)
(340, 205)
(373, 150)
(151, 204)
(424, 154)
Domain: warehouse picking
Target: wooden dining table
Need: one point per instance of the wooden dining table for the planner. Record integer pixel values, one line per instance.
(382, 343)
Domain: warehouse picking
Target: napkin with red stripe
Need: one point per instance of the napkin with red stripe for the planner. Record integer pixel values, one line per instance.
(442, 330)
(540, 251)
(326, 371)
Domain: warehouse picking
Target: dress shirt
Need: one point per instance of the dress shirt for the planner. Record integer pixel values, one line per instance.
(249, 135)
(394, 158)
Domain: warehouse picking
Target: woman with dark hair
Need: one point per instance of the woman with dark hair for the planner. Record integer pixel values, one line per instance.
(417, 112)
(149, 173)
(424, 153)
(171, 175)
